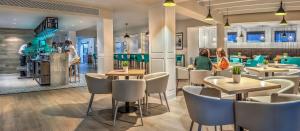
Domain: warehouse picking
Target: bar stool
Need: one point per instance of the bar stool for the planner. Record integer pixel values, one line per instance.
(146, 62)
(74, 70)
(132, 60)
(120, 59)
(116, 62)
(139, 61)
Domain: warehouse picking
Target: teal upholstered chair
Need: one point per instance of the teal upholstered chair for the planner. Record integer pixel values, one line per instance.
(180, 60)
(146, 62)
(233, 59)
(125, 57)
(257, 60)
(291, 60)
(132, 60)
(116, 63)
(139, 60)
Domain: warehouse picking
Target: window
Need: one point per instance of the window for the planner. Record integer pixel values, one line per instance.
(231, 37)
(285, 36)
(256, 36)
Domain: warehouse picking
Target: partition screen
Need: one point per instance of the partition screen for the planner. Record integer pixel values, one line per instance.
(255, 36)
(285, 36)
(231, 37)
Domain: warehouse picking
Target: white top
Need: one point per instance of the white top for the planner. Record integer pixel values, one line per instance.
(22, 48)
(73, 53)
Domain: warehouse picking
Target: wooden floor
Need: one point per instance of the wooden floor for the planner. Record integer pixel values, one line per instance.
(64, 110)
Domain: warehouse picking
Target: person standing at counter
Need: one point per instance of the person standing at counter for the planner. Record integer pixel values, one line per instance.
(71, 50)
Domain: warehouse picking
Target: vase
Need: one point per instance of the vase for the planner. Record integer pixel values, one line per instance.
(236, 78)
(265, 66)
(125, 68)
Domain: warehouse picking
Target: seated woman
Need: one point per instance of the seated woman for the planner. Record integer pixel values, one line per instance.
(202, 62)
(223, 62)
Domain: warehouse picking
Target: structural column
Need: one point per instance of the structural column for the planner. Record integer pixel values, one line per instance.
(105, 42)
(220, 36)
(162, 44)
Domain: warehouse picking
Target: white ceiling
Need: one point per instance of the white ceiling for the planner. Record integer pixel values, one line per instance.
(249, 6)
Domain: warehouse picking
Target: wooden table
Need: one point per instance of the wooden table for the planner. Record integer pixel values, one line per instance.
(135, 72)
(267, 70)
(246, 85)
(277, 65)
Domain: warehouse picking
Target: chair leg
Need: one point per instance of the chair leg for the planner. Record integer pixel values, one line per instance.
(216, 128)
(160, 99)
(199, 127)
(147, 102)
(166, 101)
(141, 113)
(192, 124)
(116, 111)
(177, 81)
(90, 104)
(221, 128)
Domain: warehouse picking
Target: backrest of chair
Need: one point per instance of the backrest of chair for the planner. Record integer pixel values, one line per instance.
(98, 83)
(207, 110)
(197, 76)
(128, 90)
(275, 97)
(226, 73)
(268, 116)
(157, 82)
(293, 78)
(182, 73)
(285, 85)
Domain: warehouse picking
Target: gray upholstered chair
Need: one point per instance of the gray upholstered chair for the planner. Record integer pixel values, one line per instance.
(157, 83)
(206, 110)
(128, 91)
(225, 73)
(265, 96)
(197, 76)
(97, 84)
(182, 73)
(255, 116)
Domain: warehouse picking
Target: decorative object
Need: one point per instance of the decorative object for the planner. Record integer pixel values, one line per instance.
(277, 59)
(209, 16)
(280, 11)
(266, 62)
(125, 65)
(179, 41)
(236, 74)
(126, 34)
(169, 3)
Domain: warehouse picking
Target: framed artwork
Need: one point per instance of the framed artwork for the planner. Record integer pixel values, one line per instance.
(179, 41)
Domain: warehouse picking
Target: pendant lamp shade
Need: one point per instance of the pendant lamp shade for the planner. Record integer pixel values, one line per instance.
(227, 22)
(284, 34)
(169, 3)
(241, 35)
(209, 16)
(280, 11)
(283, 21)
(126, 34)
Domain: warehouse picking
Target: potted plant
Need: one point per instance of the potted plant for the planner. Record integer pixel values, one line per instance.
(125, 65)
(236, 74)
(277, 59)
(265, 62)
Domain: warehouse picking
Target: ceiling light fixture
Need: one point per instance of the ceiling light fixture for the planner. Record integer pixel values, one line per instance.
(209, 16)
(283, 21)
(284, 34)
(169, 3)
(126, 34)
(227, 22)
(280, 11)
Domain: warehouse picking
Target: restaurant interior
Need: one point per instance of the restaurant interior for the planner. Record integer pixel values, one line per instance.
(152, 65)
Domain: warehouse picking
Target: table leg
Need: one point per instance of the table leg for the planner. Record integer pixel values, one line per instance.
(127, 108)
(239, 97)
(266, 74)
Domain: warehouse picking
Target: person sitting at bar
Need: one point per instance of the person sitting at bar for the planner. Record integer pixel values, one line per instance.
(202, 62)
(223, 62)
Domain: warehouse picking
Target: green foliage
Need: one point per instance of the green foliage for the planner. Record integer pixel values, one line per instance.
(236, 70)
(266, 62)
(125, 63)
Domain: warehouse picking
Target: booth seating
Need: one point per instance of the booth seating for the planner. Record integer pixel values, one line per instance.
(291, 60)
(257, 60)
(234, 59)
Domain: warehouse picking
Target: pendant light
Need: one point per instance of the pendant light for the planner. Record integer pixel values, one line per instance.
(262, 37)
(280, 11)
(126, 34)
(227, 22)
(283, 21)
(169, 3)
(209, 16)
(284, 34)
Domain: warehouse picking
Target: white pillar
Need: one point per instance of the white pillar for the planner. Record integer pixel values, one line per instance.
(220, 36)
(105, 42)
(193, 44)
(162, 44)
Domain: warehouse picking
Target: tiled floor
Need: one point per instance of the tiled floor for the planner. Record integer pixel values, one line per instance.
(64, 110)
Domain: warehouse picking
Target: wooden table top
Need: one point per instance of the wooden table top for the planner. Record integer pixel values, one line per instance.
(134, 72)
(268, 69)
(246, 85)
(280, 65)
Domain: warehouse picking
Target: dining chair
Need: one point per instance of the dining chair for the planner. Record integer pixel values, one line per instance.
(207, 110)
(197, 76)
(128, 91)
(97, 84)
(265, 96)
(157, 83)
(294, 78)
(182, 73)
(255, 116)
(226, 73)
